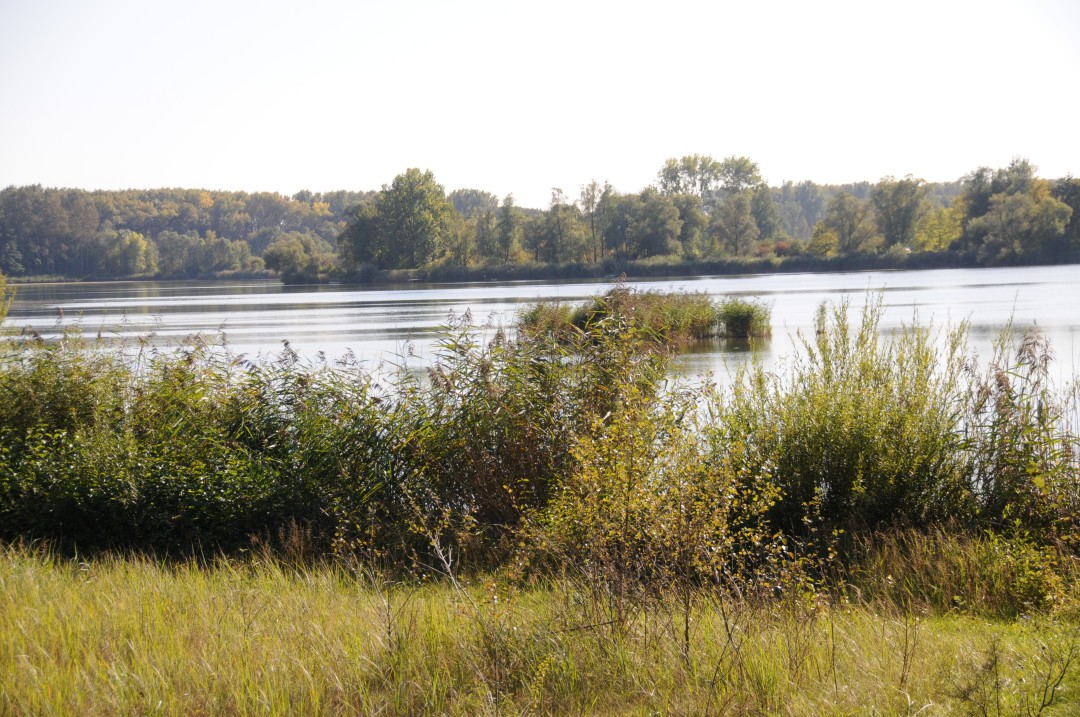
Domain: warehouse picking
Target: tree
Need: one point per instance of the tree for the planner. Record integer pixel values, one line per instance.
(1024, 224)
(471, 202)
(657, 226)
(697, 174)
(1068, 190)
(898, 207)
(733, 225)
(939, 227)
(592, 207)
(508, 229)
(980, 187)
(766, 214)
(850, 220)
(177, 254)
(299, 258)
(694, 231)
(738, 174)
(407, 227)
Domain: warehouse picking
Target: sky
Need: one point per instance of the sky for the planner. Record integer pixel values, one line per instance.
(522, 97)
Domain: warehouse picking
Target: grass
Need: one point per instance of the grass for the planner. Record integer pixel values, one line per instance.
(127, 635)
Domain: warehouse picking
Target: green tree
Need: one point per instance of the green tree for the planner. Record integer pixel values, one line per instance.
(470, 202)
(407, 226)
(738, 174)
(299, 258)
(850, 220)
(1024, 224)
(593, 203)
(656, 226)
(766, 213)
(939, 227)
(697, 174)
(733, 225)
(694, 230)
(508, 229)
(178, 254)
(1067, 190)
(898, 207)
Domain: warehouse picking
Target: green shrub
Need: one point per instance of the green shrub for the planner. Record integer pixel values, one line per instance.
(742, 319)
(860, 430)
(647, 502)
(671, 319)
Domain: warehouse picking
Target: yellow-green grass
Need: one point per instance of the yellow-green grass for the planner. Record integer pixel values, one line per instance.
(132, 636)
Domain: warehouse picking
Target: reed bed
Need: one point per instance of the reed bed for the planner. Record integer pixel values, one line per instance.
(673, 319)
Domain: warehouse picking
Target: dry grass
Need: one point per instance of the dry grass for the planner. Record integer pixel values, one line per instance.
(130, 636)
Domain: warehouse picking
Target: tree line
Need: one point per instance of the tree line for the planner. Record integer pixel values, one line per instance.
(698, 210)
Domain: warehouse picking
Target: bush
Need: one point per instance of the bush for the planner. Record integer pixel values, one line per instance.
(671, 319)
(859, 431)
(742, 319)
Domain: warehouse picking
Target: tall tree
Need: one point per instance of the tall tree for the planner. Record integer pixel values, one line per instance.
(898, 207)
(697, 174)
(733, 224)
(1022, 224)
(508, 228)
(738, 174)
(410, 224)
(592, 206)
(850, 220)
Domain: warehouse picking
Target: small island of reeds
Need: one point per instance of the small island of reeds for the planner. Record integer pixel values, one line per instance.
(674, 319)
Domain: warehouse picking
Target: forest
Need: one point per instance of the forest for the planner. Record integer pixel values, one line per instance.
(701, 213)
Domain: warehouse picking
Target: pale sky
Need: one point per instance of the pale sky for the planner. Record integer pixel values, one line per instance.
(522, 97)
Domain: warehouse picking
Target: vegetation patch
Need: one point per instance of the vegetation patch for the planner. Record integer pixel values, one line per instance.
(670, 318)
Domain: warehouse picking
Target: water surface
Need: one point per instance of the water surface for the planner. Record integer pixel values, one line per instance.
(402, 324)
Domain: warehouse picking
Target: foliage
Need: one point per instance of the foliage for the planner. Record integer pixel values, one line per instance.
(408, 224)
(861, 429)
(742, 318)
(562, 448)
(704, 212)
(670, 319)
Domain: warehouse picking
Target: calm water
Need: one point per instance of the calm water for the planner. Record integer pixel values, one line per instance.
(386, 324)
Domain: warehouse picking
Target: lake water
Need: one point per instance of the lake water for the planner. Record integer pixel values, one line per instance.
(403, 324)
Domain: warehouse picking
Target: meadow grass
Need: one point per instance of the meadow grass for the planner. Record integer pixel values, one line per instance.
(127, 635)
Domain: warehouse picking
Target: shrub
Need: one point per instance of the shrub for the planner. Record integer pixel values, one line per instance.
(1025, 460)
(647, 502)
(671, 319)
(742, 319)
(859, 430)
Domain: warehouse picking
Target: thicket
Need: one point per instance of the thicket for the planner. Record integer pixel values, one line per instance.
(671, 319)
(538, 453)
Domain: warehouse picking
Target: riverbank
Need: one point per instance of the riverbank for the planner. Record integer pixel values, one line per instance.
(669, 267)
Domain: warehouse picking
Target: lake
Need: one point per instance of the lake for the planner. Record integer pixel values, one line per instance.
(402, 324)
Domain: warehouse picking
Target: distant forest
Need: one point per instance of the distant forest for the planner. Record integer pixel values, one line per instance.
(700, 214)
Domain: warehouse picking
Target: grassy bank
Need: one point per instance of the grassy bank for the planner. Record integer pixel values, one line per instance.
(132, 636)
